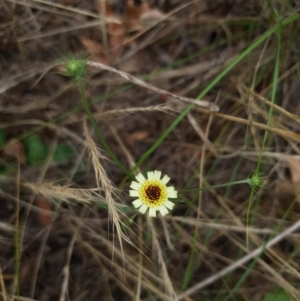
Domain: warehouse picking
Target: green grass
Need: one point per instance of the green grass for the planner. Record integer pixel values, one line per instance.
(36, 152)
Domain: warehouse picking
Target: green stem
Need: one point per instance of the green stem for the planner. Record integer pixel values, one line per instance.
(239, 58)
(99, 135)
(245, 181)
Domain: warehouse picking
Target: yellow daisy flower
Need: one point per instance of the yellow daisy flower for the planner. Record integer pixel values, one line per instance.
(152, 193)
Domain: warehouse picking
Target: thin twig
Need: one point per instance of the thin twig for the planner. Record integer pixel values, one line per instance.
(202, 103)
(3, 289)
(11, 81)
(66, 269)
(240, 262)
(166, 280)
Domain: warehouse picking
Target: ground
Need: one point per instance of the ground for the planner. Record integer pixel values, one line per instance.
(93, 93)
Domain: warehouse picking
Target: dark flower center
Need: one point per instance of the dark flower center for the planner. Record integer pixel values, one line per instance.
(153, 192)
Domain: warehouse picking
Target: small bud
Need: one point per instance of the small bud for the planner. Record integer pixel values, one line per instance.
(76, 69)
(256, 180)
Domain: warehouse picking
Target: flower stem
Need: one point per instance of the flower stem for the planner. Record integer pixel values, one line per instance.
(99, 135)
(245, 181)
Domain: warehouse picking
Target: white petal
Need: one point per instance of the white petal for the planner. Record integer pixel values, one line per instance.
(143, 209)
(134, 185)
(172, 193)
(157, 174)
(152, 212)
(171, 188)
(169, 204)
(163, 210)
(150, 175)
(140, 178)
(165, 179)
(133, 193)
(137, 203)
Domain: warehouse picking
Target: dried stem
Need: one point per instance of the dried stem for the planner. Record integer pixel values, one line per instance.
(202, 103)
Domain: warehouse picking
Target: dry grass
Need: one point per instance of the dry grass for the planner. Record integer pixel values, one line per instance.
(80, 238)
(103, 183)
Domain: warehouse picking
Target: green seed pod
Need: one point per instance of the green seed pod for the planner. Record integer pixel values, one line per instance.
(76, 69)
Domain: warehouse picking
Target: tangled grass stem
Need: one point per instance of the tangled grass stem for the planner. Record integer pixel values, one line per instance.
(99, 135)
(245, 181)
